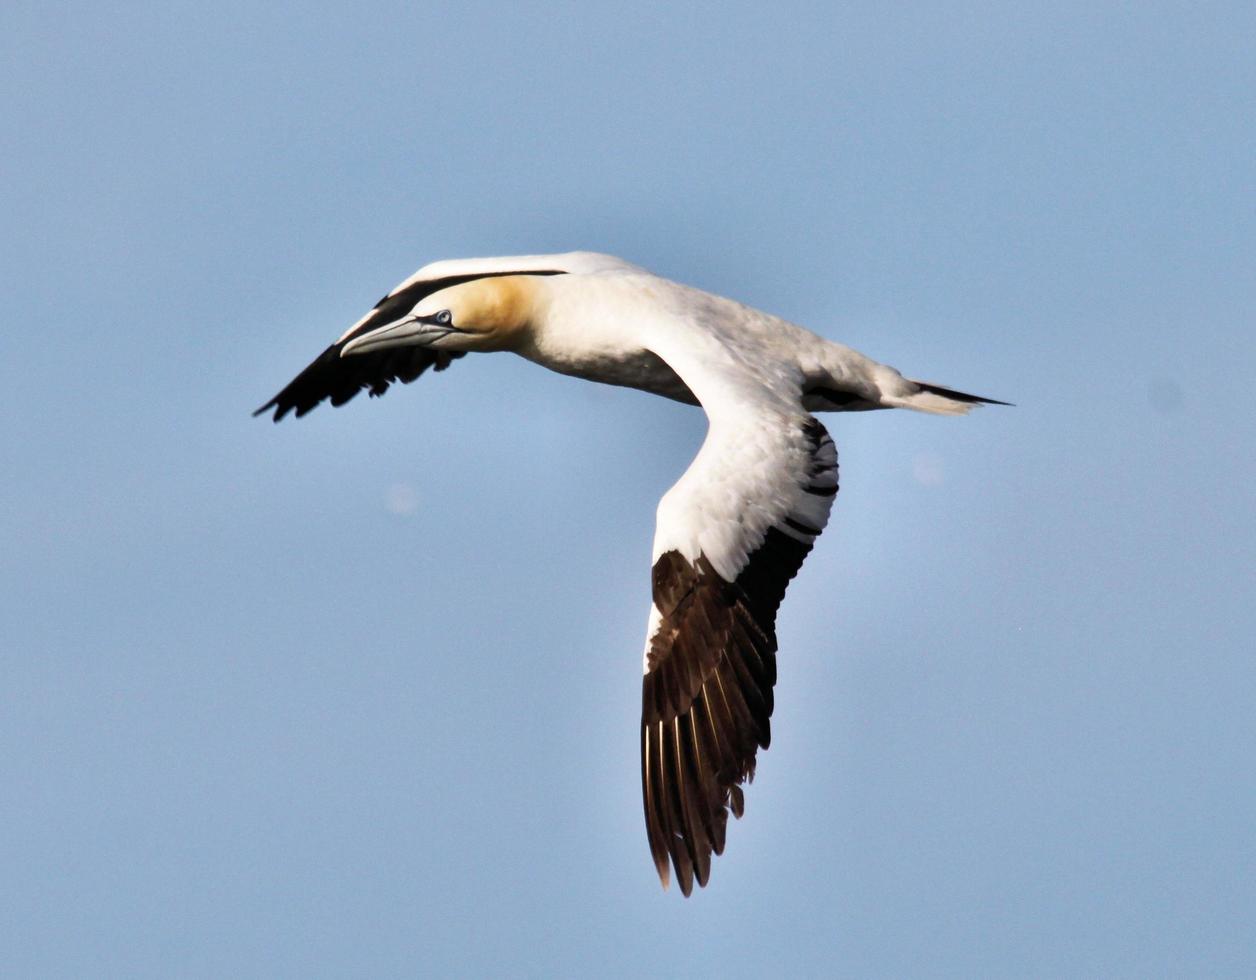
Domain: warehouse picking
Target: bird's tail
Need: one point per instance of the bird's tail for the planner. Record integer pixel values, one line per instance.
(938, 400)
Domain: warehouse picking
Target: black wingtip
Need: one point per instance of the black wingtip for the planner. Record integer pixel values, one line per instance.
(280, 412)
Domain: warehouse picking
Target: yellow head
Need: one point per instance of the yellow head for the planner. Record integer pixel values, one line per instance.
(489, 314)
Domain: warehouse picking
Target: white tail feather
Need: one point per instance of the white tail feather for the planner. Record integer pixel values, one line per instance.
(927, 401)
(937, 400)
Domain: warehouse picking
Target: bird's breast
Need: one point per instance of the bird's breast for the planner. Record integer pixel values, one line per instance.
(626, 368)
(592, 328)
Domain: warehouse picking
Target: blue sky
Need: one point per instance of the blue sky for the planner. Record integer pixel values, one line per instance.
(358, 694)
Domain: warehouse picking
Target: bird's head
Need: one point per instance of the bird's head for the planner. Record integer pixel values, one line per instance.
(488, 314)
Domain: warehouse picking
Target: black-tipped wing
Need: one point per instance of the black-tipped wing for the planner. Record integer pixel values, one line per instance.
(711, 653)
(338, 379)
(330, 377)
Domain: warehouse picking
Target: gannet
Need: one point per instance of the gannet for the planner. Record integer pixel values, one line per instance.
(732, 532)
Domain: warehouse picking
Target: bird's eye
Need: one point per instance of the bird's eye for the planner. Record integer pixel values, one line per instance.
(444, 317)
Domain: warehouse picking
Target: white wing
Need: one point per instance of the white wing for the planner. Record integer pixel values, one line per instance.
(579, 263)
(730, 535)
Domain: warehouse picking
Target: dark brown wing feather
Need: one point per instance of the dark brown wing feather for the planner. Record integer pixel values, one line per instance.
(338, 379)
(707, 693)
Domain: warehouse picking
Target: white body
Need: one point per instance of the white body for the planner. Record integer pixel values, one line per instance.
(733, 530)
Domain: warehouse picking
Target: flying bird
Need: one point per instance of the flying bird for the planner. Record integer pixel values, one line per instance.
(732, 532)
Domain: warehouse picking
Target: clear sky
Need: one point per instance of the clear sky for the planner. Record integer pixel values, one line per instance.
(358, 695)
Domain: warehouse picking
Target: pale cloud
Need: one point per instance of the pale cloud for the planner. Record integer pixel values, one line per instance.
(401, 499)
(927, 469)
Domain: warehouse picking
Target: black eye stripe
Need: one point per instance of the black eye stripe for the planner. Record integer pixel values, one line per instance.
(441, 318)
